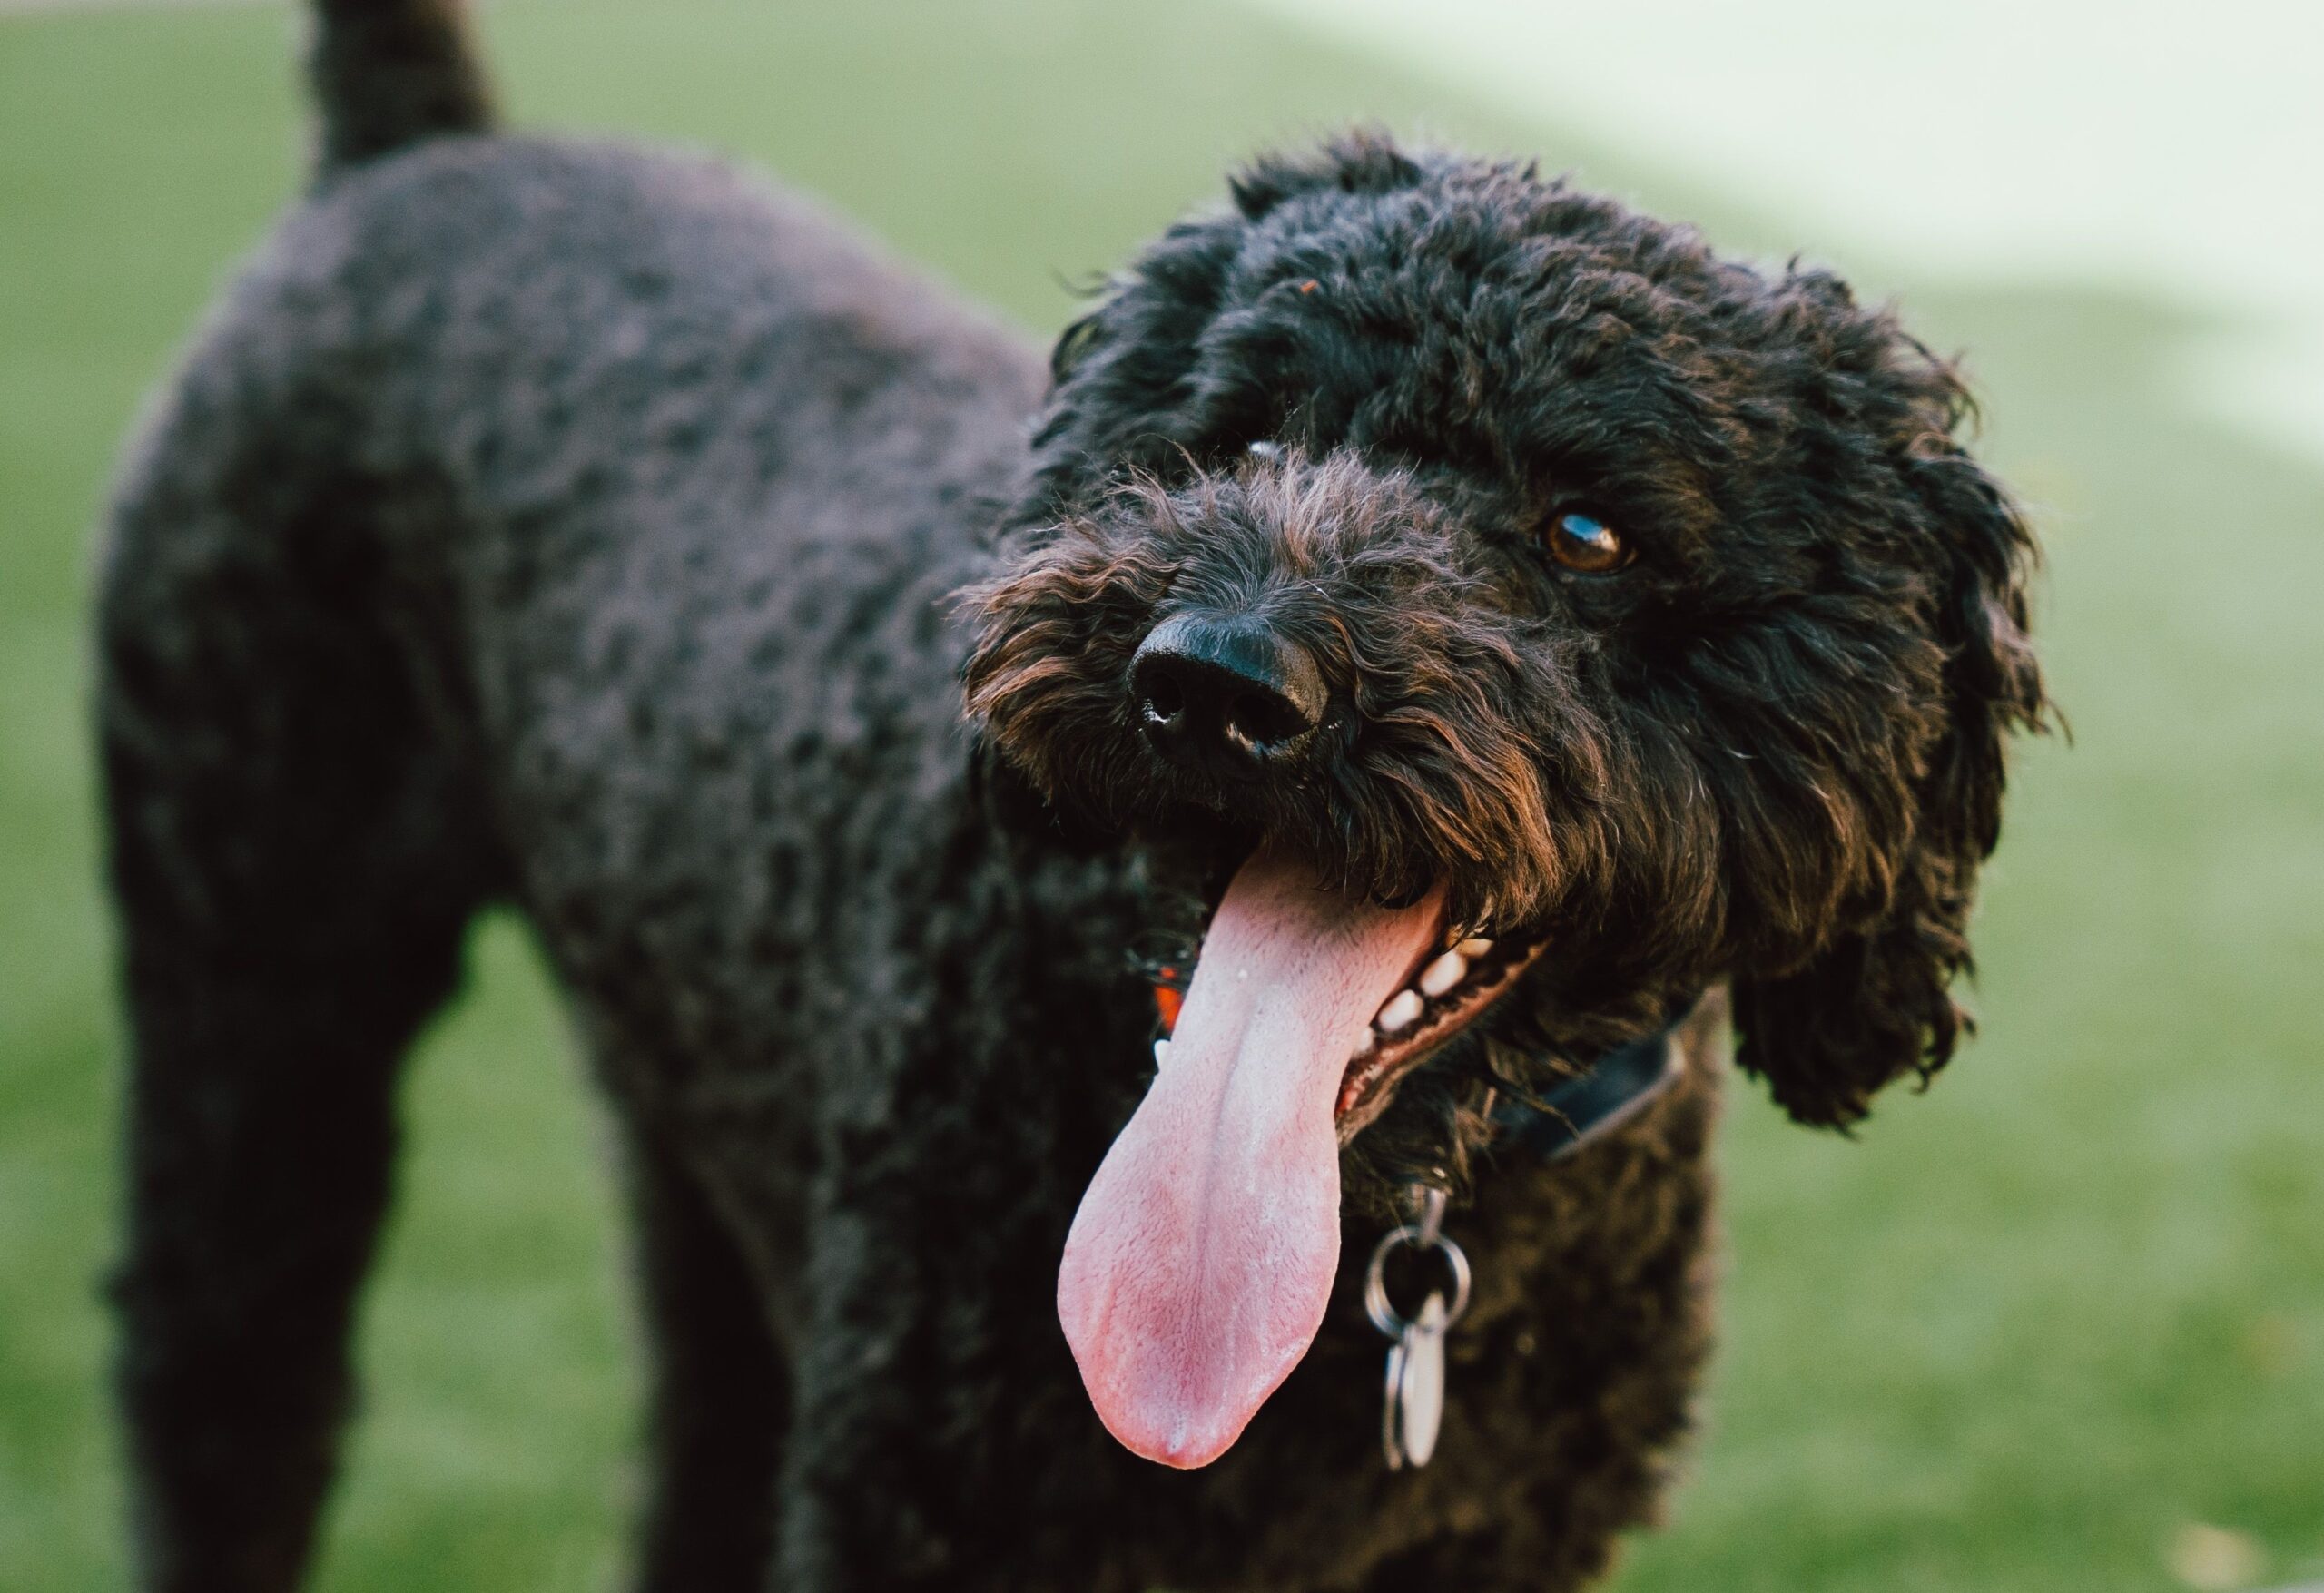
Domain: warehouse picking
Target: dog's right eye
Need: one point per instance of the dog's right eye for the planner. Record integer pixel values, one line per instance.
(1582, 542)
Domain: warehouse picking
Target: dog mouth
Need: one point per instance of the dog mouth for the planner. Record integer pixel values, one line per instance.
(1442, 997)
(1203, 1254)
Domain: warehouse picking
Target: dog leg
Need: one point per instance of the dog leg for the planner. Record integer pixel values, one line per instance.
(1487, 1562)
(721, 1395)
(936, 1443)
(260, 1133)
(294, 872)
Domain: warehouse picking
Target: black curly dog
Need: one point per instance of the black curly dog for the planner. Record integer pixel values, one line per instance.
(1416, 553)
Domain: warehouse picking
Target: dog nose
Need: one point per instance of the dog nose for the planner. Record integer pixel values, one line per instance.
(1225, 695)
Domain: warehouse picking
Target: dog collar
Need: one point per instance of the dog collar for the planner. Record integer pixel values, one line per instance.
(1578, 1111)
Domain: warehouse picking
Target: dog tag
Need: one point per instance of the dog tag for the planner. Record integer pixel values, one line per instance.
(1415, 1401)
(1414, 1404)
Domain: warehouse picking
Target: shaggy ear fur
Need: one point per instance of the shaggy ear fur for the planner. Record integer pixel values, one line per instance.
(1364, 160)
(1875, 1005)
(1119, 402)
(1127, 396)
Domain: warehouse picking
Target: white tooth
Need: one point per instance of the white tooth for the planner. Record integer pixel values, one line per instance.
(1401, 1008)
(1475, 947)
(1445, 972)
(1162, 1052)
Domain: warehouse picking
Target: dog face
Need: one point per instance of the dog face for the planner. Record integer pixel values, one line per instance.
(1500, 565)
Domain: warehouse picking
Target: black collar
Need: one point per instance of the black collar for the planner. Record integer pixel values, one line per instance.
(1593, 1103)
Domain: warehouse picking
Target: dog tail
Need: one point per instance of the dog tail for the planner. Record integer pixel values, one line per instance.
(386, 73)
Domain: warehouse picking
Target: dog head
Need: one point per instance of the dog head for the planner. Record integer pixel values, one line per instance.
(1504, 617)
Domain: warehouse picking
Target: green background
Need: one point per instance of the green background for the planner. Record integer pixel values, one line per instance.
(2018, 1336)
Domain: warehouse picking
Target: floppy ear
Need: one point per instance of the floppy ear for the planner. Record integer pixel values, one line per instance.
(1873, 1005)
(1132, 383)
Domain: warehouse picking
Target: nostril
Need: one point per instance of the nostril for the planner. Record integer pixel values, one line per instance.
(1165, 698)
(1264, 720)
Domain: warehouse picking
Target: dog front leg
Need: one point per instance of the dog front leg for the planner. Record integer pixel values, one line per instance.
(720, 1394)
(941, 1440)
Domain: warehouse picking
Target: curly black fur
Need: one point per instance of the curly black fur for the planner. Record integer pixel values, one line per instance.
(1769, 751)
(587, 530)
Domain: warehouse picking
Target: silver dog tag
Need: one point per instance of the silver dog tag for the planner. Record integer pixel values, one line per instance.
(1415, 1401)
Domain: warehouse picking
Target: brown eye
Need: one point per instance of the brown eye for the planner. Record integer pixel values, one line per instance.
(1585, 543)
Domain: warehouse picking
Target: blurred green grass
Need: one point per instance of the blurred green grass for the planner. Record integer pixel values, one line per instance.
(2016, 1338)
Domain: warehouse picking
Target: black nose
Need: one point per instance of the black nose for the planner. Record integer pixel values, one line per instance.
(1225, 695)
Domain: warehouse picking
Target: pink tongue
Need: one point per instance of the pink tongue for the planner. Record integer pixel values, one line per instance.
(1202, 1257)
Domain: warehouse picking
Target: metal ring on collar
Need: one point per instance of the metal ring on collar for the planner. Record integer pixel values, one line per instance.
(1375, 1279)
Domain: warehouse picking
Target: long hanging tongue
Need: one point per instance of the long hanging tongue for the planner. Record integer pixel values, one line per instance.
(1202, 1257)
